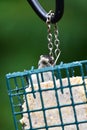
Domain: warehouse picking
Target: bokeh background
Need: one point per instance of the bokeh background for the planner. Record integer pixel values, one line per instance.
(23, 39)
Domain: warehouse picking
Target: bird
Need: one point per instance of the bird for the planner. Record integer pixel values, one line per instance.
(44, 61)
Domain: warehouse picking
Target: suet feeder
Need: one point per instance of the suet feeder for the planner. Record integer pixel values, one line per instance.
(56, 104)
(60, 104)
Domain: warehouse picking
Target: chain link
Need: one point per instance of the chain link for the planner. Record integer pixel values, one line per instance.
(49, 36)
(51, 46)
(56, 43)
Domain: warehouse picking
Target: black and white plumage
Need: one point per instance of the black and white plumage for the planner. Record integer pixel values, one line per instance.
(45, 61)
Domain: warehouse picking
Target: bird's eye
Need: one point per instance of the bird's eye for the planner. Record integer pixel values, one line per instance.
(51, 62)
(44, 62)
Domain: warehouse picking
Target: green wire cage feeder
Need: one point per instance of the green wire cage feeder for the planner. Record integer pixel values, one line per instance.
(59, 104)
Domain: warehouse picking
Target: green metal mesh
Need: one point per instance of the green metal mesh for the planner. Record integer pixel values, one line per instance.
(16, 85)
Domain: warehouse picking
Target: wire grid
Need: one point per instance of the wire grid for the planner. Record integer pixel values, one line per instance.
(16, 84)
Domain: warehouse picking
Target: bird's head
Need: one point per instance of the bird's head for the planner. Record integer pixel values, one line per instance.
(45, 61)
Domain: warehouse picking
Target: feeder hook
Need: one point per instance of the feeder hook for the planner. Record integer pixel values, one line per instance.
(59, 9)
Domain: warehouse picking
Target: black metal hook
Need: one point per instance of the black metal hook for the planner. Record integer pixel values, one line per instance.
(43, 14)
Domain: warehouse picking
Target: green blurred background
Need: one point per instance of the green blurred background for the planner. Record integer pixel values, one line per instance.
(23, 40)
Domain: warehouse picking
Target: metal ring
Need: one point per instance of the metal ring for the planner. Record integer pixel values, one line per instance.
(43, 14)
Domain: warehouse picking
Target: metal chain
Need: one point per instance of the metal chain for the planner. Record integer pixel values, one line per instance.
(56, 43)
(56, 40)
(49, 36)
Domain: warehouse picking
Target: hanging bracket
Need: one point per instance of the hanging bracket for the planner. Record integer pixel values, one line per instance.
(59, 9)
